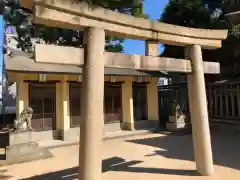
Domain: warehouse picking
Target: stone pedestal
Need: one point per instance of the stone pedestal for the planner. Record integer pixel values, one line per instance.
(22, 148)
(176, 123)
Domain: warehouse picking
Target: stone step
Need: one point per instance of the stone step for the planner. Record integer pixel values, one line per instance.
(24, 152)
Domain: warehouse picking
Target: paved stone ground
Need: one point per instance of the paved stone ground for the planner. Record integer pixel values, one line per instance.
(142, 157)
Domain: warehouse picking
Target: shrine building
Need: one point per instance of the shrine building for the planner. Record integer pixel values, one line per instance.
(54, 93)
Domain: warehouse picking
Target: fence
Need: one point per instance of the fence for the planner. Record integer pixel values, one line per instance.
(223, 101)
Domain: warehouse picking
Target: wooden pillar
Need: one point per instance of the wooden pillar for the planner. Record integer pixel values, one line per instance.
(62, 109)
(22, 96)
(238, 99)
(127, 106)
(92, 124)
(152, 100)
(199, 112)
(58, 101)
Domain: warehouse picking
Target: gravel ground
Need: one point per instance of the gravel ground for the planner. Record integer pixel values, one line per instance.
(153, 156)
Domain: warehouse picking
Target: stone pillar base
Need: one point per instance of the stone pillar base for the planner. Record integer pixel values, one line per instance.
(65, 135)
(127, 126)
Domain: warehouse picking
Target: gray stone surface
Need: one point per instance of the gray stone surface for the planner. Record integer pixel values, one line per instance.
(176, 123)
(70, 134)
(26, 64)
(23, 148)
(25, 152)
(160, 157)
(127, 126)
(146, 124)
(107, 136)
(20, 137)
(177, 119)
(176, 126)
(112, 127)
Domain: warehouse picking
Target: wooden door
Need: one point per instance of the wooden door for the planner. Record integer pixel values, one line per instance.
(42, 98)
(112, 103)
(140, 101)
(75, 104)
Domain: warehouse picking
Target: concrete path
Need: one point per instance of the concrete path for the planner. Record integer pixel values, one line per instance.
(107, 136)
(143, 157)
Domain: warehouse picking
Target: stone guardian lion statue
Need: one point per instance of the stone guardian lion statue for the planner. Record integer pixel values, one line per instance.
(24, 120)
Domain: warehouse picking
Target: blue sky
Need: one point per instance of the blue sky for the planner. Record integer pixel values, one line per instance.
(154, 8)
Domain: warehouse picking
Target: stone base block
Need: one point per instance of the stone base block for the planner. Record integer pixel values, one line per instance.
(21, 148)
(67, 135)
(20, 137)
(127, 126)
(176, 126)
(25, 152)
(140, 125)
(174, 119)
(146, 124)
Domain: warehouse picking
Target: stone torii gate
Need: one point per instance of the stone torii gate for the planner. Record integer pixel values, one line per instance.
(96, 23)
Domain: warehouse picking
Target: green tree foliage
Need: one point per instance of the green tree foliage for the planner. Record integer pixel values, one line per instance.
(15, 15)
(190, 13)
(231, 5)
(207, 14)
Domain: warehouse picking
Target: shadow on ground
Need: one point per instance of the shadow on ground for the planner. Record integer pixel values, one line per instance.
(112, 164)
(3, 176)
(225, 146)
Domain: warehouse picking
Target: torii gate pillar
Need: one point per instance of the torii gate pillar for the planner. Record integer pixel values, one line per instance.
(198, 111)
(90, 154)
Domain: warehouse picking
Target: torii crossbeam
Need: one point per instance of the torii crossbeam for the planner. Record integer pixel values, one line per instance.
(96, 23)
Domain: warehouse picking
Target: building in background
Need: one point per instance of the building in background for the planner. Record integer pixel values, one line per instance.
(130, 101)
(54, 93)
